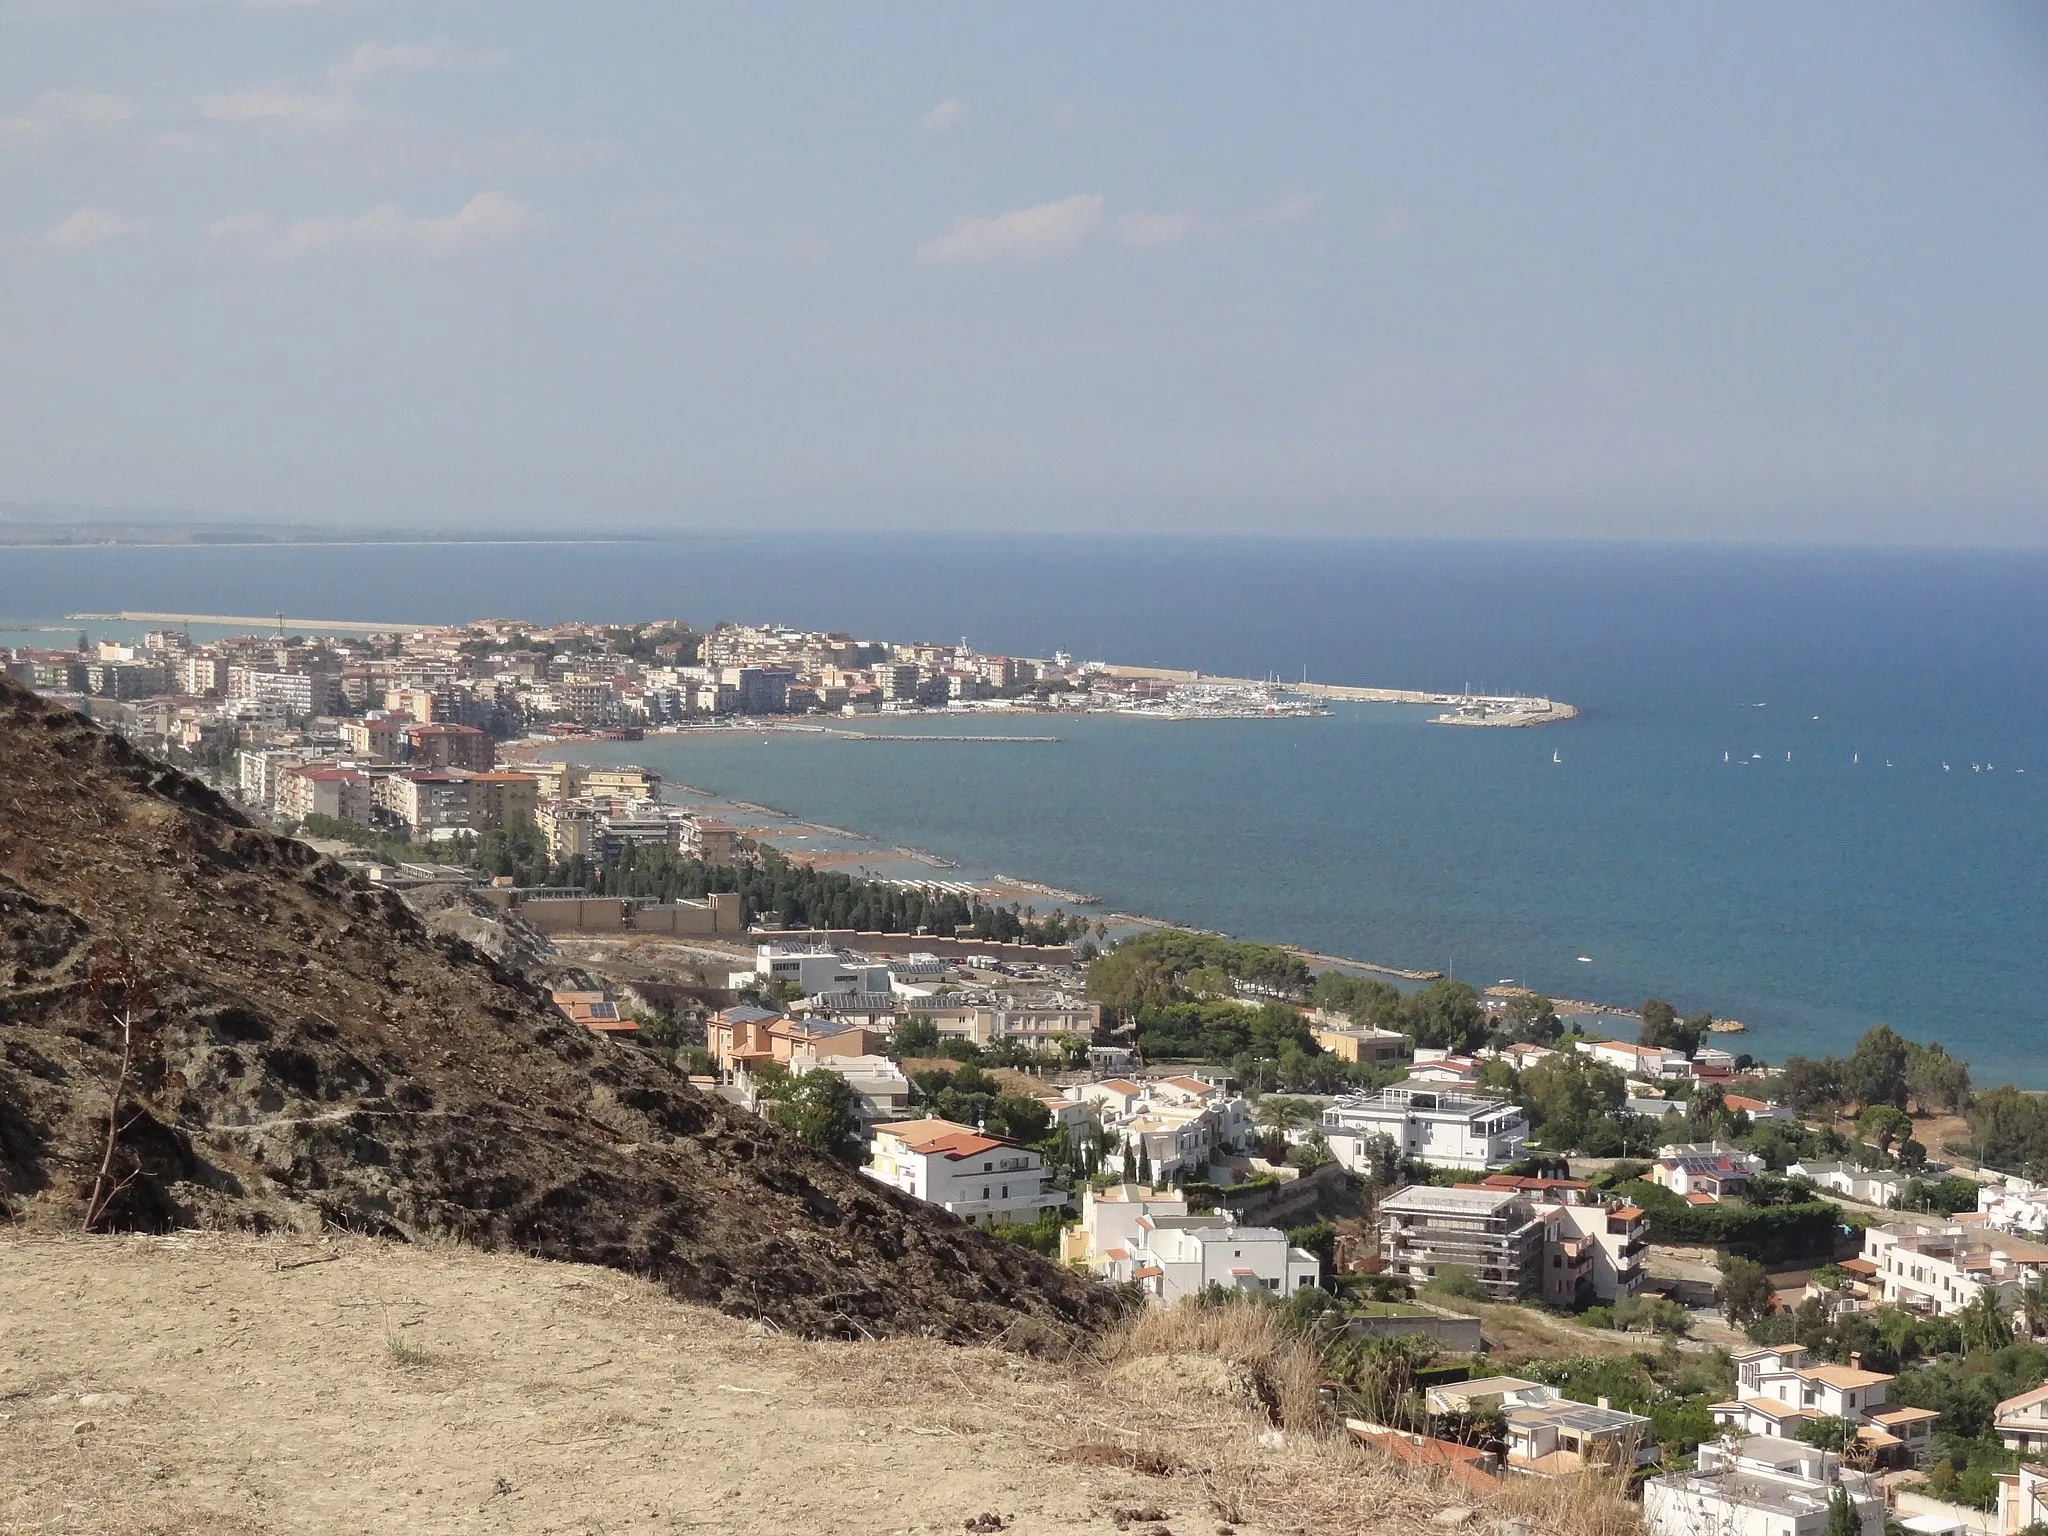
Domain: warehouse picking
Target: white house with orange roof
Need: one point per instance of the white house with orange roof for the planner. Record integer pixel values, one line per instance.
(984, 1179)
(1777, 1392)
(2022, 1422)
(1116, 1095)
(1758, 1109)
(1444, 1067)
(1646, 1062)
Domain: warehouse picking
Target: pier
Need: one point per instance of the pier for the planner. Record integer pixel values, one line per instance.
(1459, 708)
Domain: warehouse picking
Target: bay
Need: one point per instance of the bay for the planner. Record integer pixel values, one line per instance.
(1809, 896)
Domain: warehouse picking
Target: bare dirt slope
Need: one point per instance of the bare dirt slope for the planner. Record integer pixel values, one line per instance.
(316, 1059)
(204, 1383)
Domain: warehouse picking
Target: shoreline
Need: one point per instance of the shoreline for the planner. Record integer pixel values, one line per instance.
(996, 886)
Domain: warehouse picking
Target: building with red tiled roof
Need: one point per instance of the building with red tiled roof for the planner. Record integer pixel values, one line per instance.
(984, 1179)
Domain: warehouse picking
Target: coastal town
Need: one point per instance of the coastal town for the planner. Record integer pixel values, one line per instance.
(1808, 1297)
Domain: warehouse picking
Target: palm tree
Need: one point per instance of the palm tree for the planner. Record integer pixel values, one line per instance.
(1984, 1323)
(1279, 1113)
(2033, 1307)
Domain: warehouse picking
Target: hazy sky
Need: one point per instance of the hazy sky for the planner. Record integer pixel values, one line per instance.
(1705, 270)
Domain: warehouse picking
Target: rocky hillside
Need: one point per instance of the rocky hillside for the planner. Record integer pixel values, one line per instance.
(313, 1058)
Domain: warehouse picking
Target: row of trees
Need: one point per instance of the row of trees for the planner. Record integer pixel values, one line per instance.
(1884, 1068)
(1446, 1014)
(1172, 965)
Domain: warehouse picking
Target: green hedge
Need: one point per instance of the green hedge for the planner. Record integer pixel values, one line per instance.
(1765, 1232)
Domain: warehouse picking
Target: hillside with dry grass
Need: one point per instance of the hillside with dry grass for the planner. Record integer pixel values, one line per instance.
(303, 1055)
(202, 1384)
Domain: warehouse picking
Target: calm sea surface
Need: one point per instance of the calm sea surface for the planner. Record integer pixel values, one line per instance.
(1894, 866)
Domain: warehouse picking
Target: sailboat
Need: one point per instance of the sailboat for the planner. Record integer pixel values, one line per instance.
(1555, 758)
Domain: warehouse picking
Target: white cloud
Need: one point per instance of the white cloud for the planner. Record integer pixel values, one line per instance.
(484, 219)
(55, 110)
(414, 58)
(949, 113)
(1291, 209)
(89, 226)
(278, 104)
(1147, 230)
(1036, 233)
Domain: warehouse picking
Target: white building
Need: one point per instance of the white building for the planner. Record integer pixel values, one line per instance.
(884, 1090)
(2017, 1205)
(1940, 1267)
(1129, 1232)
(1760, 1486)
(1778, 1393)
(812, 970)
(1175, 1125)
(259, 770)
(1646, 1063)
(1708, 1168)
(1880, 1186)
(1443, 1127)
(2022, 1500)
(982, 1178)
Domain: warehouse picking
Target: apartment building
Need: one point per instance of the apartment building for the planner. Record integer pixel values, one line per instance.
(1940, 1267)
(450, 746)
(1761, 1486)
(258, 770)
(984, 1179)
(297, 693)
(1442, 1126)
(378, 736)
(426, 801)
(1496, 1234)
(501, 800)
(1594, 1249)
(1778, 1391)
(308, 789)
(622, 781)
(568, 827)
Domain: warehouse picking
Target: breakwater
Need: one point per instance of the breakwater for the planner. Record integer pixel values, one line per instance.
(1460, 708)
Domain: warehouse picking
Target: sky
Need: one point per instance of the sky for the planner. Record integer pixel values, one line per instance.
(1730, 271)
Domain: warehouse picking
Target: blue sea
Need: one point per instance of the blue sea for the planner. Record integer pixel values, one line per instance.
(1809, 790)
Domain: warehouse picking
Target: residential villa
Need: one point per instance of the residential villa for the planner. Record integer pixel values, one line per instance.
(1777, 1393)
(1132, 1233)
(1439, 1125)
(1759, 1486)
(596, 1011)
(1548, 1434)
(2016, 1205)
(1705, 1173)
(985, 1179)
(2022, 1422)
(1940, 1267)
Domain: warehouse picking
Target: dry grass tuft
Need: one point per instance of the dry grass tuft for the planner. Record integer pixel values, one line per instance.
(1586, 1505)
(1283, 1370)
(1146, 1460)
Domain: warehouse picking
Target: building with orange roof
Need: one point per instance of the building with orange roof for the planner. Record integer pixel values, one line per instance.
(597, 1012)
(981, 1178)
(1777, 1392)
(1465, 1464)
(2022, 1422)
